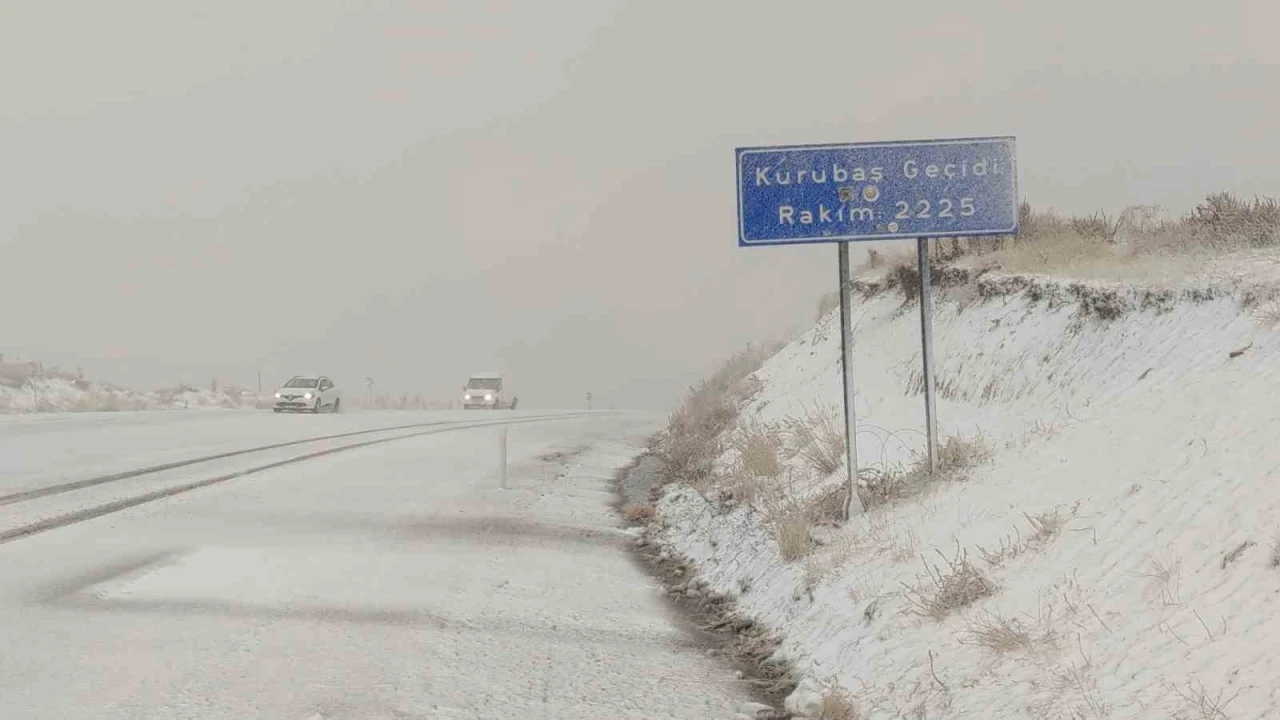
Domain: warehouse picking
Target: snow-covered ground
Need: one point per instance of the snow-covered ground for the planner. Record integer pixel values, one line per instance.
(1143, 444)
(386, 582)
(29, 387)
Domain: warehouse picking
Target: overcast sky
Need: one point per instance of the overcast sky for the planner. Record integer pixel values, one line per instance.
(416, 190)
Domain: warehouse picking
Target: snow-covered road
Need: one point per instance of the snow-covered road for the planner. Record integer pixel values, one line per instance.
(396, 580)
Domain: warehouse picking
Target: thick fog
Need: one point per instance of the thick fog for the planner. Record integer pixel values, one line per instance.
(411, 191)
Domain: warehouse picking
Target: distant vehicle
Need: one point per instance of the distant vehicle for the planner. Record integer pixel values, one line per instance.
(486, 391)
(308, 393)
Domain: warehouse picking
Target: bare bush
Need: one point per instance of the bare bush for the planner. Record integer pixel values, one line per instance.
(1229, 220)
(818, 438)
(1166, 581)
(1044, 527)
(1001, 634)
(1098, 226)
(1200, 704)
(742, 487)
(944, 589)
(694, 430)
(794, 516)
(638, 513)
(792, 529)
(836, 704)
(1050, 242)
(956, 456)
(759, 446)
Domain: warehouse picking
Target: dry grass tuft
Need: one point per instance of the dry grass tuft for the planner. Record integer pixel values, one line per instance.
(792, 529)
(759, 447)
(694, 431)
(818, 438)
(638, 513)
(1045, 527)
(1166, 581)
(794, 516)
(956, 456)
(836, 704)
(1001, 635)
(945, 589)
(1200, 705)
(898, 542)
(1140, 241)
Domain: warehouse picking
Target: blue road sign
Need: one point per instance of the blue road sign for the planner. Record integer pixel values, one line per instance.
(877, 191)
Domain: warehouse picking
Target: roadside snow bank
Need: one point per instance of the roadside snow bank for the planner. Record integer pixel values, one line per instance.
(28, 387)
(1118, 556)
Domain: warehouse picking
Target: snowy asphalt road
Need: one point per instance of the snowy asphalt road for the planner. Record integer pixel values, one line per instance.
(390, 581)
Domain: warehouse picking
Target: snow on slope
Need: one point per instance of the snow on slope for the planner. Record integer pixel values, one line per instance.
(1147, 421)
(26, 387)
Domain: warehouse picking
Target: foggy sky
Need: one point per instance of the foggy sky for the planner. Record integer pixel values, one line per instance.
(416, 190)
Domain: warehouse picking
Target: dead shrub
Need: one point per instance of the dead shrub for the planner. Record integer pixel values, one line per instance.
(694, 430)
(792, 528)
(638, 513)
(818, 438)
(1090, 244)
(1098, 226)
(904, 276)
(956, 456)
(793, 517)
(1046, 525)
(824, 563)
(836, 704)
(1000, 634)
(759, 446)
(1227, 219)
(945, 589)
(742, 487)
(1166, 581)
(827, 506)
(1201, 704)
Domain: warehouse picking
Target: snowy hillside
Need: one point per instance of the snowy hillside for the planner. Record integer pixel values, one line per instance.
(30, 387)
(1101, 542)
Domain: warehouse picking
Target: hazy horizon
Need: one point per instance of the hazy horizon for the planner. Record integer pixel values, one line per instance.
(414, 191)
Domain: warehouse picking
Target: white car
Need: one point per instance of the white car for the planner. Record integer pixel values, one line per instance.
(308, 393)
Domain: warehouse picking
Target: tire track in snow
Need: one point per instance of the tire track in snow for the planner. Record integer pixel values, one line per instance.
(60, 488)
(96, 511)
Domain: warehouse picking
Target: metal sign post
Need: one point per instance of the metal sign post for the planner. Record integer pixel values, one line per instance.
(926, 350)
(502, 458)
(852, 503)
(962, 187)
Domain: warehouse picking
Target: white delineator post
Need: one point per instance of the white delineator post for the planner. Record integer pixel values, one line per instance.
(502, 458)
(926, 335)
(852, 503)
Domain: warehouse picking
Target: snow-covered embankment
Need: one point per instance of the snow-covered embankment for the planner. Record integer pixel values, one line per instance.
(1113, 555)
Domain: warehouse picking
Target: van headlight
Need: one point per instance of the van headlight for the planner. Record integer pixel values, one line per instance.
(488, 397)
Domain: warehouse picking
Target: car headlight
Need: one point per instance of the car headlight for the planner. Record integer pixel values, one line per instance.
(488, 397)
(277, 396)
(466, 397)
(307, 396)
